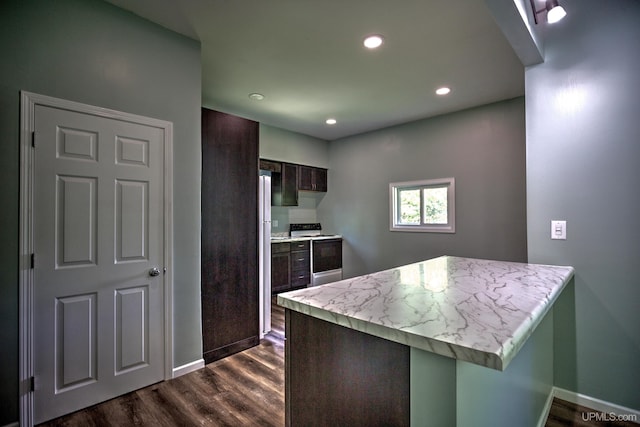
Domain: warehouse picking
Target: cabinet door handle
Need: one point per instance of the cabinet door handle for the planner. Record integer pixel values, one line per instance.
(301, 259)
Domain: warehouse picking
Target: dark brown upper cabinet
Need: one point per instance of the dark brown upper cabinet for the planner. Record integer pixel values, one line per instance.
(289, 178)
(289, 184)
(271, 166)
(312, 179)
(284, 182)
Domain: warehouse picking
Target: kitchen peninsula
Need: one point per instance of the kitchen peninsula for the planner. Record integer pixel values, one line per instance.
(445, 342)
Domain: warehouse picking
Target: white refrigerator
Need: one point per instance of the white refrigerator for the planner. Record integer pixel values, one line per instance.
(264, 250)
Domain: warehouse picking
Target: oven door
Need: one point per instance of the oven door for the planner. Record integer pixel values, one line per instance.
(327, 255)
(327, 261)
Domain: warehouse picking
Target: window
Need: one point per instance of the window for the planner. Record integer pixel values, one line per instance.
(427, 206)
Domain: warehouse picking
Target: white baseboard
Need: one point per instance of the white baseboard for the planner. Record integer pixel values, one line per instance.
(547, 408)
(189, 367)
(593, 403)
(16, 424)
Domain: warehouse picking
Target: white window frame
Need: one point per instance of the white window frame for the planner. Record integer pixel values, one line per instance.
(394, 208)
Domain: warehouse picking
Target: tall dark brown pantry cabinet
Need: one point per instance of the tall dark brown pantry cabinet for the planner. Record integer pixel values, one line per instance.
(229, 234)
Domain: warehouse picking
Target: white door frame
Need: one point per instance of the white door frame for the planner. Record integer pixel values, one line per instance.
(26, 278)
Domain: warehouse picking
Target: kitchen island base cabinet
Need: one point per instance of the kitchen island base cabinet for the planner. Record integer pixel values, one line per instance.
(479, 334)
(336, 376)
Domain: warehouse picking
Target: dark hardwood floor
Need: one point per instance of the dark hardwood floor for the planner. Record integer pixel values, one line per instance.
(245, 389)
(565, 413)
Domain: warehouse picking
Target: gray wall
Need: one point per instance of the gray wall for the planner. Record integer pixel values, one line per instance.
(293, 147)
(482, 148)
(91, 52)
(514, 397)
(583, 165)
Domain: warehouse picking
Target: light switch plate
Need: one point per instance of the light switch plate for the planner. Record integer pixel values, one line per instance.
(559, 230)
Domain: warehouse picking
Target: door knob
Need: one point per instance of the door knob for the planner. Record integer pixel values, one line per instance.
(154, 272)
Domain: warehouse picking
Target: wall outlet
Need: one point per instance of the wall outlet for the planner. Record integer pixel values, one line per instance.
(558, 230)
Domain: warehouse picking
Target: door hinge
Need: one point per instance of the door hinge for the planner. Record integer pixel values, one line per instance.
(33, 261)
(33, 139)
(32, 384)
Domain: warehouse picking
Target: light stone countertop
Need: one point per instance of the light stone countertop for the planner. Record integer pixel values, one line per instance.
(479, 311)
(284, 239)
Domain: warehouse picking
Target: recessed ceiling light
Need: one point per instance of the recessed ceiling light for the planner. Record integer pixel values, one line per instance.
(331, 121)
(373, 41)
(256, 96)
(443, 90)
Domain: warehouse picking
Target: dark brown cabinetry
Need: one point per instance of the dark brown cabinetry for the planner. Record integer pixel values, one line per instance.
(289, 184)
(229, 234)
(312, 179)
(271, 166)
(300, 264)
(276, 179)
(290, 266)
(289, 178)
(343, 377)
(284, 182)
(280, 267)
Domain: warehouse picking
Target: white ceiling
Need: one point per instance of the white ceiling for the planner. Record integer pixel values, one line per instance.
(306, 57)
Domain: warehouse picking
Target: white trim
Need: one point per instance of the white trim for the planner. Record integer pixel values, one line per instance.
(448, 183)
(16, 424)
(593, 403)
(187, 368)
(168, 250)
(542, 421)
(25, 275)
(28, 102)
(583, 400)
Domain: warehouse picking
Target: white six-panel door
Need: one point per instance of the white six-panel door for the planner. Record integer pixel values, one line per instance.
(98, 239)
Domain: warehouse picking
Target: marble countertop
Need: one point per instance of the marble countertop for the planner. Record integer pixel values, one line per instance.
(479, 311)
(284, 239)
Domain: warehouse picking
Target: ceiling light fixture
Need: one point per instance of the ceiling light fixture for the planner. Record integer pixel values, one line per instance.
(373, 41)
(331, 121)
(256, 96)
(555, 12)
(443, 91)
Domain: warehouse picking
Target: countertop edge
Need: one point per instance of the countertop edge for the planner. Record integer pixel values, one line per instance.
(498, 361)
(302, 239)
(536, 318)
(432, 345)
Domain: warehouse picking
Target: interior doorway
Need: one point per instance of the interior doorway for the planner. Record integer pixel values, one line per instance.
(95, 274)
